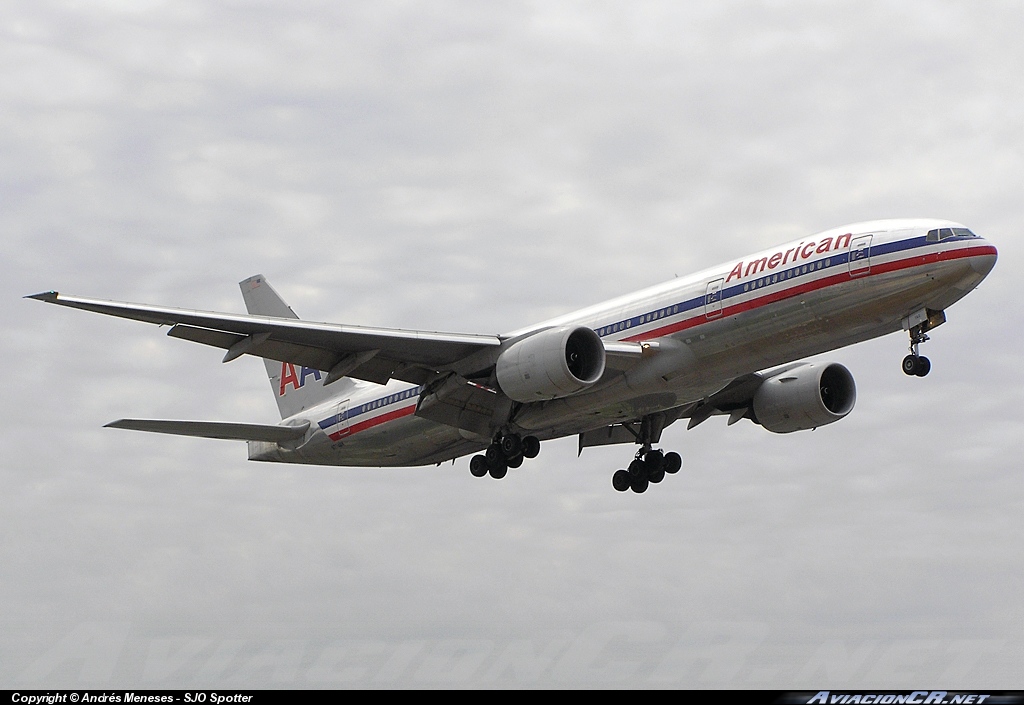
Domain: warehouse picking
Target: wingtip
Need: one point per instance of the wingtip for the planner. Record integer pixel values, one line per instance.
(47, 296)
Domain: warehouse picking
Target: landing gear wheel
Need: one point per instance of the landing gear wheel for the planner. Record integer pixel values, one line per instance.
(638, 484)
(924, 366)
(478, 466)
(654, 459)
(656, 476)
(916, 365)
(531, 447)
(638, 468)
(673, 463)
(498, 471)
(910, 365)
(621, 480)
(511, 445)
(515, 462)
(494, 454)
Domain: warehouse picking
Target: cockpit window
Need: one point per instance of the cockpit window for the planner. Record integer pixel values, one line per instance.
(943, 233)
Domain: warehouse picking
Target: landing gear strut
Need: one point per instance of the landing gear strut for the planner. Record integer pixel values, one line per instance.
(507, 451)
(916, 364)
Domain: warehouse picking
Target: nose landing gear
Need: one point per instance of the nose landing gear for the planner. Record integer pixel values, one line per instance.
(916, 364)
(918, 324)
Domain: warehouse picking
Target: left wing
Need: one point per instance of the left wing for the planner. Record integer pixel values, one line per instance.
(373, 354)
(216, 429)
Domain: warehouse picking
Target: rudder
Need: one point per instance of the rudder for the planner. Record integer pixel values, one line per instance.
(295, 387)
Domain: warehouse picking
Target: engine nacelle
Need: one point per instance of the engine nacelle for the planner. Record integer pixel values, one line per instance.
(805, 397)
(551, 364)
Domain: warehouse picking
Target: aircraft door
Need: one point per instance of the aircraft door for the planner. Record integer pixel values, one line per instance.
(339, 428)
(860, 255)
(713, 299)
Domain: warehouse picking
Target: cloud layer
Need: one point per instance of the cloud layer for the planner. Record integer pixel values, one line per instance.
(468, 167)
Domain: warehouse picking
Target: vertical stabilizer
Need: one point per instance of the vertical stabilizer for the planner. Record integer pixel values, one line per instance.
(295, 387)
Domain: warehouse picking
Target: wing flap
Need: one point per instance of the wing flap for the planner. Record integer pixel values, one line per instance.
(610, 435)
(305, 355)
(216, 429)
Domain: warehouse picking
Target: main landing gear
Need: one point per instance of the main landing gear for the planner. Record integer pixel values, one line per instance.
(507, 451)
(916, 364)
(649, 466)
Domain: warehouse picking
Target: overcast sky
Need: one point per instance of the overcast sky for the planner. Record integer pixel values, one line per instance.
(476, 167)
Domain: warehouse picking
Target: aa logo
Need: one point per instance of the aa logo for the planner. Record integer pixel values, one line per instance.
(289, 376)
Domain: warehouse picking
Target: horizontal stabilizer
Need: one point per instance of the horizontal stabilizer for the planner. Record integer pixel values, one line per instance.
(216, 429)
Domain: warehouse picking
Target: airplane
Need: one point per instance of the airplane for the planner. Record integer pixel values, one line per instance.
(728, 340)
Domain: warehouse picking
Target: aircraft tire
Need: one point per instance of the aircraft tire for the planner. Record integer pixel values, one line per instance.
(656, 476)
(498, 470)
(673, 463)
(494, 454)
(654, 459)
(478, 466)
(639, 484)
(531, 447)
(621, 480)
(910, 365)
(638, 468)
(515, 462)
(924, 366)
(511, 445)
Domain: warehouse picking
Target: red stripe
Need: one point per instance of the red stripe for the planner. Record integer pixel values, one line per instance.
(824, 282)
(375, 421)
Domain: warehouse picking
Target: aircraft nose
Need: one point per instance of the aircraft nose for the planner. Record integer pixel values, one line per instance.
(985, 260)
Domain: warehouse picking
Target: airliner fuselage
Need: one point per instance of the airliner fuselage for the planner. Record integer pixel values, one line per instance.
(800, 299)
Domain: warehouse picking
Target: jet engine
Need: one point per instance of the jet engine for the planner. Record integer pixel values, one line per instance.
(805, 397)
(551, 364)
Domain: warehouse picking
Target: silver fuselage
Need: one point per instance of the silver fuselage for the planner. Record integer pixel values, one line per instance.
(803, 298)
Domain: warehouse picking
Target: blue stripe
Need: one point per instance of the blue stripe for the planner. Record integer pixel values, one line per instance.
(829, 262)
(369, 406)
(791, 273)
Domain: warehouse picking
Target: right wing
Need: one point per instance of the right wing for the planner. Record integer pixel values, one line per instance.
(373, 354)
(735, 399)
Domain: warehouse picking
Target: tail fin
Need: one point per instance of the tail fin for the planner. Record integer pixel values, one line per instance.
(295, 388)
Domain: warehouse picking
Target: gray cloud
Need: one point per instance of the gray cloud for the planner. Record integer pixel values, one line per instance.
(477, 168)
